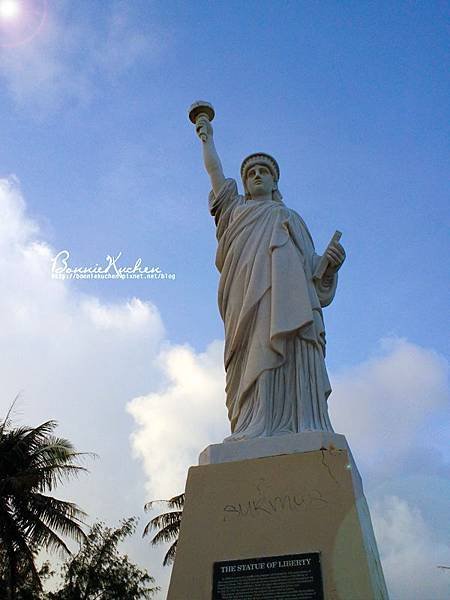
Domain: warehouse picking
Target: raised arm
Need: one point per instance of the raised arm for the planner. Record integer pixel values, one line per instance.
(210, 157)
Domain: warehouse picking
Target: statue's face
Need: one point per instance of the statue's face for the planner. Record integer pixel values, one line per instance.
(259, 181)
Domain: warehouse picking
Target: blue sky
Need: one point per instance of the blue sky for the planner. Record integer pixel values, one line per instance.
(352, 99)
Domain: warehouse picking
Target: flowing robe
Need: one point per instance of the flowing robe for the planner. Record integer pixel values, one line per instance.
(276, 380)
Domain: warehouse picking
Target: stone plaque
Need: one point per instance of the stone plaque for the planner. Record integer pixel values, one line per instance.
(288, 577)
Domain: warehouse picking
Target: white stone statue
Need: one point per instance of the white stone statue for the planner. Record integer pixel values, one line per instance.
(271, 293)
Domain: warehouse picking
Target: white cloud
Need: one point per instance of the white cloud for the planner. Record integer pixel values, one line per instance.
(15, 227)
(178, 422)
(71, 356)
(410, 552)
(382, 405)
(64, 62)
(126, 41)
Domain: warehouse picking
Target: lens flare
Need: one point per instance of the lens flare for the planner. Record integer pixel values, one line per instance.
(9, 9)
(20, 21)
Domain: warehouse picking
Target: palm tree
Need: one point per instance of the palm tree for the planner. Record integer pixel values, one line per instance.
(32, 462)
(168, 524)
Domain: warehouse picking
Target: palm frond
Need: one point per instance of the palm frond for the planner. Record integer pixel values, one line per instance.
(163, 520)
(166, 534)
(167, 523)
(48, 507)
(175, 502)
(170, 554)
(34, 461)
(16, 545)
(6, 423)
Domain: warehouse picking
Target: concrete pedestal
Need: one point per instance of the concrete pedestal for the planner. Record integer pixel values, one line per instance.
(303, 502)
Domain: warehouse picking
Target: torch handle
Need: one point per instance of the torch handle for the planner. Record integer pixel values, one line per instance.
(202, 136)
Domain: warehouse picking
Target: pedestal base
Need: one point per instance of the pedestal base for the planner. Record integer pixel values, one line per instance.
(262, 447)
(292, 504)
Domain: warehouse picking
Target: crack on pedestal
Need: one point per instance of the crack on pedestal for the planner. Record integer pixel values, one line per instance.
(323, 450)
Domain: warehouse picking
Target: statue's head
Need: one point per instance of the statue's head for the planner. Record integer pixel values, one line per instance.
(260, 174)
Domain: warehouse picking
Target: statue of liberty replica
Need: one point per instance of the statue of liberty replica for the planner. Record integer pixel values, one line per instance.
(277, 511)
(270, 300)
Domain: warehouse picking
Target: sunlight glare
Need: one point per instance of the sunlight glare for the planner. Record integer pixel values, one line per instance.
(9, 9)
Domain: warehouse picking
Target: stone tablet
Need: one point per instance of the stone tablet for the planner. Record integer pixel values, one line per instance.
(288, 577)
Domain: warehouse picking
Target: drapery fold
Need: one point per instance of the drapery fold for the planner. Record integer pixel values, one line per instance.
(276, 380)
